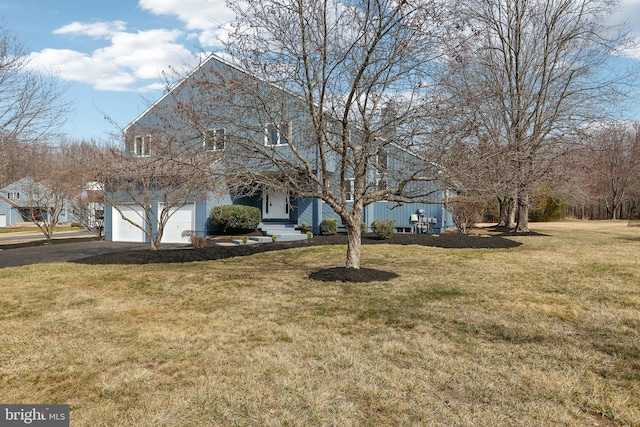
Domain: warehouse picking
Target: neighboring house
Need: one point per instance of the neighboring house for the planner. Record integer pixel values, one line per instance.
(276, 206)
(89, 206)
(23, 201)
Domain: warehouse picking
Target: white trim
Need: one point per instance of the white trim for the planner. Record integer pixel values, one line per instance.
(281, 133)
(212, 138)
(349, 193)
(144, 143)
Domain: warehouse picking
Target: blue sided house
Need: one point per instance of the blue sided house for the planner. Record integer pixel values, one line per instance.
(26, 201)
(248, 135)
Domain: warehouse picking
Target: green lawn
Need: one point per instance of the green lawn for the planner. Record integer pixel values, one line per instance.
(546, 334)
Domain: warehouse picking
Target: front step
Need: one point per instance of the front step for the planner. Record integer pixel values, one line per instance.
(284, 231)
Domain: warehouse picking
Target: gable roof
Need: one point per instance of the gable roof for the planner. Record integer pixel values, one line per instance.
(211, 58)
(24, 187)
(221, 61)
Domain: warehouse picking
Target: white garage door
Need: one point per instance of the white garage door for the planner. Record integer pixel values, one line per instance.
(122, 230)
(181, 222)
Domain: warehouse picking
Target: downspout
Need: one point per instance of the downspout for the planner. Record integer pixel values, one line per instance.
(443, 213)
(317, 202)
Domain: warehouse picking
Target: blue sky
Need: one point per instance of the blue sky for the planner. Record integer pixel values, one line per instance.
(111, 53)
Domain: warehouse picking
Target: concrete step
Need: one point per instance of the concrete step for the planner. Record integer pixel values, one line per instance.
(249, 242)
(284, 232)
(289, 237)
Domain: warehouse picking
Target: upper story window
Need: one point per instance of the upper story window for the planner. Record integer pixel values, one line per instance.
(277, 134)
(349, 190)
(141, 144)
(214, 139)
(13, 195)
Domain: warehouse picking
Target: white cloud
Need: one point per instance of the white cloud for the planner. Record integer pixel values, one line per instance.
(125, 64)
(628, 14)
(78, 67)
(97, 29)
(206, 16)
(134, 61)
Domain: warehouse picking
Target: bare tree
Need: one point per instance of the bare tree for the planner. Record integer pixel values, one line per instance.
(533, 72)
(159, 173)
(331, 104)
(80, 160)
(47, 204)
(88, 208)
(22, 159)
(610, 165)
(32, 105)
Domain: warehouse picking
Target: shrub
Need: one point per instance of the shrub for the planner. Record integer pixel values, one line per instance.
(198, 241)
(309, 235)
(363, 227)
(465, 213)
(384, 228)
(235, 217)
(329, 226)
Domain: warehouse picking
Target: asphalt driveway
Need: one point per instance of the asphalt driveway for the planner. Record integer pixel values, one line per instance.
(62, 252)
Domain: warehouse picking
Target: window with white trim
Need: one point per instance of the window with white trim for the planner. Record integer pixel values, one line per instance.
(350, 186)
(13, 195)
(275, 134)
(141, 144)
(214, 139)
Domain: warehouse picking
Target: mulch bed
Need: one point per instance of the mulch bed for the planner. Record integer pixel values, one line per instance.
(212, 252)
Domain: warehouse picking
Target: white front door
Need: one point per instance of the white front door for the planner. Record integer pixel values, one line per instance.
(3, 220)
(275, 204)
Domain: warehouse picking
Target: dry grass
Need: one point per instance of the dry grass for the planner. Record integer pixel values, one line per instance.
(545, 334)
(35, 229)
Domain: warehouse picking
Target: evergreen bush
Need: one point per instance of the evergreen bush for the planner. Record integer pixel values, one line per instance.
(235, 218)
(329, 226)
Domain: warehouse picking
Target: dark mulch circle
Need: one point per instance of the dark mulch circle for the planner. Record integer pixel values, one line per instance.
(352, 275)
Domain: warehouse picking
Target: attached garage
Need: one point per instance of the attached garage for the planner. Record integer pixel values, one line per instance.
(123, 230)
(180, 224)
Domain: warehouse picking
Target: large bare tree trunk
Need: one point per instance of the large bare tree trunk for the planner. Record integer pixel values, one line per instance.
(354, 236)
(354, 246)
(523, 213)
(507, 212)
(511, 222)
(503, 213)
